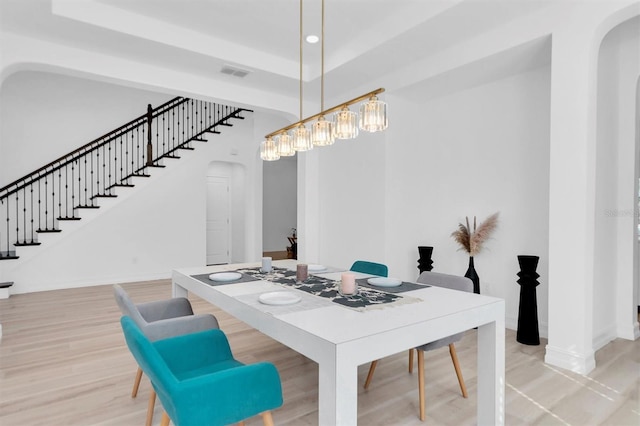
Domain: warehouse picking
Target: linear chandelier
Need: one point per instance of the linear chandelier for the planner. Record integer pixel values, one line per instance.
(344, 123)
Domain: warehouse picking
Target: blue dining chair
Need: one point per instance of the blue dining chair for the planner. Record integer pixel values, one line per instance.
(452, 282)
(160, 319)
(199, 382)
(372, 268)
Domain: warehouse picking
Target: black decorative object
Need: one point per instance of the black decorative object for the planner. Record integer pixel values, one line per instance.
(425, 263)
(473, 276)
(528, 312)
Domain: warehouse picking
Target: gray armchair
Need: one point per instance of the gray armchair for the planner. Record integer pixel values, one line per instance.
(160, 320)
(452, 282)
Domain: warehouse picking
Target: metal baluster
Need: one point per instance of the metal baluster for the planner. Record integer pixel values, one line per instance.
(121, 169)
(31, 208)
(40, 203)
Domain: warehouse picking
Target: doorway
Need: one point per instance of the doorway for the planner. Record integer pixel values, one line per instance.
(218, 220)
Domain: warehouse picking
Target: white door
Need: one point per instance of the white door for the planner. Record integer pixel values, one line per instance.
(218, 220)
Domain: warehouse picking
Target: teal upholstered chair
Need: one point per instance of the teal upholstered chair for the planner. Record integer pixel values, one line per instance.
(370, 268)
(199, 382)
(452, 282)
(158, 320)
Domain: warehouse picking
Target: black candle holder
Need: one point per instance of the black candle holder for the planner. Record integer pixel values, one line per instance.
(425, 263)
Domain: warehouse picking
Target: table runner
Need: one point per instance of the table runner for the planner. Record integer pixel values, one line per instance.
(367, 298)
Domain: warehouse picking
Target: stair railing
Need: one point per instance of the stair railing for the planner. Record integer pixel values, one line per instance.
(37, 202)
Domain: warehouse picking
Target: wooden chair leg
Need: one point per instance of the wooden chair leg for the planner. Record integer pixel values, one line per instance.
(267, 419)
(241, 423)
(421, 383)
(372, 369)
(165, 419)
(136, 383)
(150, 406)
(456, 365)
(411, 360)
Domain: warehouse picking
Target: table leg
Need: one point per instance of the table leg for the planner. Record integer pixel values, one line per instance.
(338, 392)
(177, 291)
(491, 380)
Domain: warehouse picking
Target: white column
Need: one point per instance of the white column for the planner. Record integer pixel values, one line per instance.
(571, 200)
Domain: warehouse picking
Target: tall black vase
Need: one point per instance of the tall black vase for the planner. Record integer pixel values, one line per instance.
(425, 263)
(473, 276)
(528, 312)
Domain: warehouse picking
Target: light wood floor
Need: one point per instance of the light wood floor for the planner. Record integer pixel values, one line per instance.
(63, 361)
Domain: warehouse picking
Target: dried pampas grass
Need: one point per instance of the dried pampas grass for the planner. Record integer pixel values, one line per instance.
(472, 241)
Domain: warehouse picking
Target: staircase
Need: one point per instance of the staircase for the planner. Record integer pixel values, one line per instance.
(57, 192)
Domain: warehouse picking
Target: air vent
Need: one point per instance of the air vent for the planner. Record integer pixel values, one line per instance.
(237, 72)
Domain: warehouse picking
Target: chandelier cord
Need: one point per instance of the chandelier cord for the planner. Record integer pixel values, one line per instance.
(301, 60)
(322, 64)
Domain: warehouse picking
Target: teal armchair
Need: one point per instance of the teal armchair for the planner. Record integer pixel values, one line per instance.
(199, 382)
(372, 268)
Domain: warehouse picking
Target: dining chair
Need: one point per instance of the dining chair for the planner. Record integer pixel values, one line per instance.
(159, 320)
(372, 268)
(199, 382)
(452, 282)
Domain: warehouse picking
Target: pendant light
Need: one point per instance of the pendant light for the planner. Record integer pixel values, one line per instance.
(322, 130)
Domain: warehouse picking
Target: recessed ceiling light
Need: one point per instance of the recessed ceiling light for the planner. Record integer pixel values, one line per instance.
(311, 39)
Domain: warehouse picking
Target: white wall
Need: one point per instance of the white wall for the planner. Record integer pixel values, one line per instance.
(614, 309)
(279, 203)
(46, 115)
(474, 152)
(150, 229)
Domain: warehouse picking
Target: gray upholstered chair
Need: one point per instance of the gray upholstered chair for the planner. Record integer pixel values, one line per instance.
(437, 280)
(160, 320)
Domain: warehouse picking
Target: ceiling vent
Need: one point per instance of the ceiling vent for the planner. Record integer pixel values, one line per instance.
(237, 72)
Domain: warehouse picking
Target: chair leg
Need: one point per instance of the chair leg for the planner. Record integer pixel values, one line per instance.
(267, 419)
(150, 406)
(421, 383)
(372, 369)
(241, 423)
(456, 365)
(165, 419)
(411, 360)
(136, 383)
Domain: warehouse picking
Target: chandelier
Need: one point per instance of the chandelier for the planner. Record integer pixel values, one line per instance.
(342, 123)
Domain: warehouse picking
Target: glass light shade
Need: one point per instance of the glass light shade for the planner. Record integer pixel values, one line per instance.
(301, 138)
(285, 145)
(373, 115)
(322, 132)
(345, 124)
(269, 150)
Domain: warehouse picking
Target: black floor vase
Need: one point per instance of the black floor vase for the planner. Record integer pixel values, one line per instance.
(528, 332)
(473, 276)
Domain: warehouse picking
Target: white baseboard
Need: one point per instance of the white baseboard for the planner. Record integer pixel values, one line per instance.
(569, 360)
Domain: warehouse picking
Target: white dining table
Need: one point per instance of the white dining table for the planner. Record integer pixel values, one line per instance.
(340, 339)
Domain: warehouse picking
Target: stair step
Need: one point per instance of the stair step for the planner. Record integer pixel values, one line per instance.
(170, 156)
(87, 207)
(25, 244)
(137, 175)
(104, 196)
(46, 231)
(121, 185)
(6, 255)
(157, 165)
(188, 148)
(68, 218)
(199, 140)
(215, 132)
(224, 123)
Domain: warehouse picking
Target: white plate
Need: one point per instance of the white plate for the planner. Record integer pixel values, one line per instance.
(225, 276)
(384, 282)
(279, 298)
(316, 268)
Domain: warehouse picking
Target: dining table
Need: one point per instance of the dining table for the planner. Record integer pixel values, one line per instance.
(341, 332)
